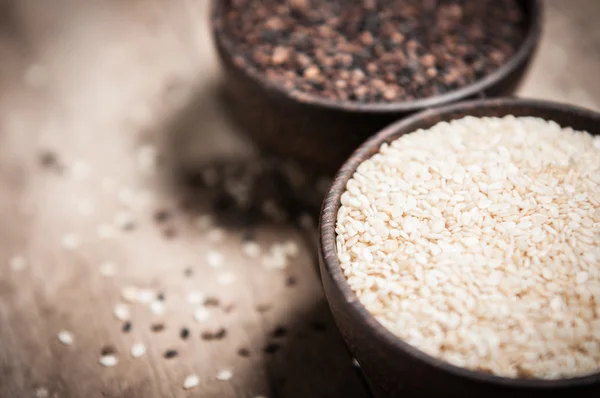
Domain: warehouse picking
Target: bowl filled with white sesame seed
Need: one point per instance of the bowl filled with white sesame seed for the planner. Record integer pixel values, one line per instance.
(460, 251)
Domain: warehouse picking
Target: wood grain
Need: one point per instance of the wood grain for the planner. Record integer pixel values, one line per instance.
(93, 81)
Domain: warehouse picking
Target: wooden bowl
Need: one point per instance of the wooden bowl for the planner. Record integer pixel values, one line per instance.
(320, 134)
(388, 361)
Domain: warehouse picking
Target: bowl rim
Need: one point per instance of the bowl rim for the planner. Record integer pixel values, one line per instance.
(527, 48)
(331, 265)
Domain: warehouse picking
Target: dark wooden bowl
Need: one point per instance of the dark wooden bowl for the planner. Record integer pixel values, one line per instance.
(319, 133)
(388, 361)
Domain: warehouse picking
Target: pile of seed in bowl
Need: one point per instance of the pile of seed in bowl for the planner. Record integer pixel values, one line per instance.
(374, 50)
(478, 242)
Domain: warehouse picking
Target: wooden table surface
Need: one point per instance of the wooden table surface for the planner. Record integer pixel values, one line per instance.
(90, 92)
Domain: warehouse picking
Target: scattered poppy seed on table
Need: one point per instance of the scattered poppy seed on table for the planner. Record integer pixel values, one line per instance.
(271, 348)
(244, 352)
(48, 159)
(280, 331)
(157, 327)
(212, 302)
(107, 350)
(169, 232)
(191, 381)
(108, 361)
(228, 308)
(188, 272)
(169, 354)
(262, 308)
(291, 281)
(162, 215)
(184, 333)
(126, 327)
(66, 337)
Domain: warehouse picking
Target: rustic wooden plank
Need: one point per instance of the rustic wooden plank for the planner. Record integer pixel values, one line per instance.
(109, 77)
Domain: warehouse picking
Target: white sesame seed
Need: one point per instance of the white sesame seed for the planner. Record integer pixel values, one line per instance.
(105, 231)
(66, 337)
(41, 392)
(108, 361)
(214, 259)
(191, 381)
(130, 294)
(201, 314)
(121, 312)
(224, 375)
(226, 278)
(216, 235)
(291, 248)
(80, 170)
(251, 249)
(107, 185)
(138, 350)
(195, 297)
(124, 220)
(472, 239)
(204, 222)
(157, 307)
(70, 241)
(108, 269)
(146, 158)
(36, 76)
(145, 296)
(17, 263)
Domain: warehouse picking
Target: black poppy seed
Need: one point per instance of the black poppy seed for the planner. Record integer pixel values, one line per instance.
(126, 327)
(229, 308)
(291, 281)
(214, 335)
(318, 326)
(48, 159)
(162, 215)
(160, 296)
(170, 354)
(169, 232)
(244, 352)
(184, 333)
(212, 302)
(280, 331)
(248, 236)
(157, 327)
(107, 350)
(368, 33)
(262, 308)
(271, 348)
(188, 272)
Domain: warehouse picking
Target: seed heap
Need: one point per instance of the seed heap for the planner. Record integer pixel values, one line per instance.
(374, 50)
(478, 242)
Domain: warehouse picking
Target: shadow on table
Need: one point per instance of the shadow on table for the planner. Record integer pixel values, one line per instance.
(244, 189)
